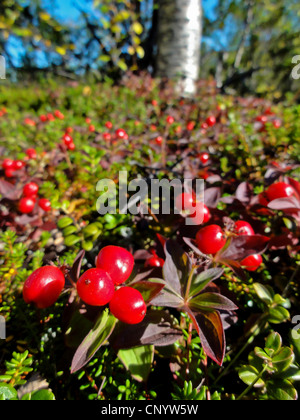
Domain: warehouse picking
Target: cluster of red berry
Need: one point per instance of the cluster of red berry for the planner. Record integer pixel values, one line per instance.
(212, 239)
(275, 192)
(268, 117)
(11, 167)
(96, 287)
(29, 199)
(196, 210)
(68, 141)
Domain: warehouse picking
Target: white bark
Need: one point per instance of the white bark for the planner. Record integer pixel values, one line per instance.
(179, 42)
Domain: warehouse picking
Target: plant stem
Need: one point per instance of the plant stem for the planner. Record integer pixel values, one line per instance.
(253, 384)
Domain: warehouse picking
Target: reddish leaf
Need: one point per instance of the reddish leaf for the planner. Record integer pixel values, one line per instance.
(158, 328)
(209, 326)
(290, 204)
(244, 192)
(208, 301)
(177, 267)
(9, 191)
(149, 288)
(212, 197)
(75, 270)
(94, 340)
(242, 247)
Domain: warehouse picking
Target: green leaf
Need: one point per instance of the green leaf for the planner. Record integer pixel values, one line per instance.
(72, 240)
(262, 354)
(265, 293)
(7, 392)
(281, 390)
(64, 222)
(278, 315)
(283, 360)
(69, 230)
(94, 340)
(248, 375)
(138, 361)
(43, 395)
(274, 342)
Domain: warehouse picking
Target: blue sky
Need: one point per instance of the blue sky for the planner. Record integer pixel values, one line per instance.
(66, 9)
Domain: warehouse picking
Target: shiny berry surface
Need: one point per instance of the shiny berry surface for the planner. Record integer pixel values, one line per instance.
(210, 239)
(128, 306)
(45, 204)
(44, 286)
(26, 205)
(280, 190)
(95, 287)
(252, 263)
(30, 189)
(242, 228)
(117, 262)
(154, 262)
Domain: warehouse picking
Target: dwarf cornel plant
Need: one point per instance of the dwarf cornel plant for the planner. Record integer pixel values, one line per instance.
(200, 297)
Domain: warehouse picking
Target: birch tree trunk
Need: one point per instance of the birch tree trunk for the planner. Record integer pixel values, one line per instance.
(179, 42)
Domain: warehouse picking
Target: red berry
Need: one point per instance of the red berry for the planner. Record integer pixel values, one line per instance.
(211, 121)
(9, 173)
(43, 118)
(88, 120)
(252, 263)
(242, 228)
(204, 126)
(30, 122)
(18, 165)
(26, 205)
(170, 120)
(92, 128)
(262, 119)
(50, 117)
(207, 214)
(69, 130)
(159, 140)
(190, 126)
(210, 239)
(30, 189)
(186, 202)
(107, 136)
(154, 102)
(45, 204)
(277, 123)
(71, 146)
(31, 153)
(95, 287)
(121, 134)
(154, 261)
(204, 158)
(280, 190)
(8, 164)
(128, 306)
(59, 114)
(44, 286)
(67, 139)
(117, 262)
(109, 125)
